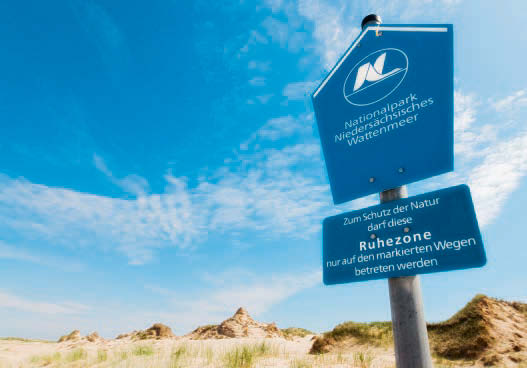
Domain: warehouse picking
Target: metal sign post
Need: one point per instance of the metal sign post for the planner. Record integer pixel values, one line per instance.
(412, 349)
(408, 319)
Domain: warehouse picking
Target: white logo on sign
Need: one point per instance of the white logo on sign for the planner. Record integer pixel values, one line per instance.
(368, 73)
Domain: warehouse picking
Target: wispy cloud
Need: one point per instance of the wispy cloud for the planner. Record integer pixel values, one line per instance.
(133, 184)
(219, 298)
(271, 192)
(231, 290)
(334, 29)
(514, 101)
(490, 157)
(282, 127)
(257, 81)
(8, 251)
(102, 30)
(498, 176)
(254, 38)
(260, 66)
(258, 195)
(11, 301)
(299, 90)
(284, 34)
(336, 23)
(69, 218)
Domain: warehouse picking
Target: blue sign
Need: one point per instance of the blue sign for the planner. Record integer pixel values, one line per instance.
(432, 232)
(385, 112)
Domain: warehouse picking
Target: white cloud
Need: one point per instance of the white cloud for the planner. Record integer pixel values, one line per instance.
(257, 81)
(8, 251)
(284, 34)
(10, 301)
(334, 30)
(492, 160)
(133, 184)
(261, 66)
(498, 176)
(269, 193)
(103, 31)
(231, 290)
(299, 90)
(75, 219)
(264, 99)
(254, 38)
(280, 127)
(516, 100)
(274, 5)
(490, 157)
(222, 295)
(468, 137)
(262, 192)
(337, 23)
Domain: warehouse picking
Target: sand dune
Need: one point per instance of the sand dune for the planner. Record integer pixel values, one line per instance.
(486, 332)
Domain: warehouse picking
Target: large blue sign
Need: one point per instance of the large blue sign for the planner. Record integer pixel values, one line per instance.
(385, 112)
(432, 232)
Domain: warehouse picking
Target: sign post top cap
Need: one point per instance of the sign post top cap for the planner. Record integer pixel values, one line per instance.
(372, 18)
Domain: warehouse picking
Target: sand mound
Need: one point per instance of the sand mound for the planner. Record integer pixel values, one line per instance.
(344, 335)
(292, 333)
(486, 329)
(157, 331)
(72, 336)
(93, 337)
(75, 336)
(491, 331)
(239, 325)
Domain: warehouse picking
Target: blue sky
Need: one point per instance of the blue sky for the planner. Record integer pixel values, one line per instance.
(162, 163)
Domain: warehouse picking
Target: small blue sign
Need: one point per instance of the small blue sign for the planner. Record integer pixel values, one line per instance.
(385, 113)
(431, 232)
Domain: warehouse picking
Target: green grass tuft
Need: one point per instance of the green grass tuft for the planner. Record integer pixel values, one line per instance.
(143, 350)
(463, 336)
(373, 333)
(24, 340)
(244, 356)
(178, 353)
(77, 354)
(102, 356)
(44, 360)
(362, 360)
(240, 357)
(301, 363)
(296, 332)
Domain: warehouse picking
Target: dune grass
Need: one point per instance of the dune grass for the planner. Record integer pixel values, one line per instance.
(45, 359)
(377, 334)
(77, 354)
(463, 336)
(21, 339)
(143, 350)
(301, 363)
(296, 332)
(102, 356)
(203, 354)
(362, 360)
(244, 356)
